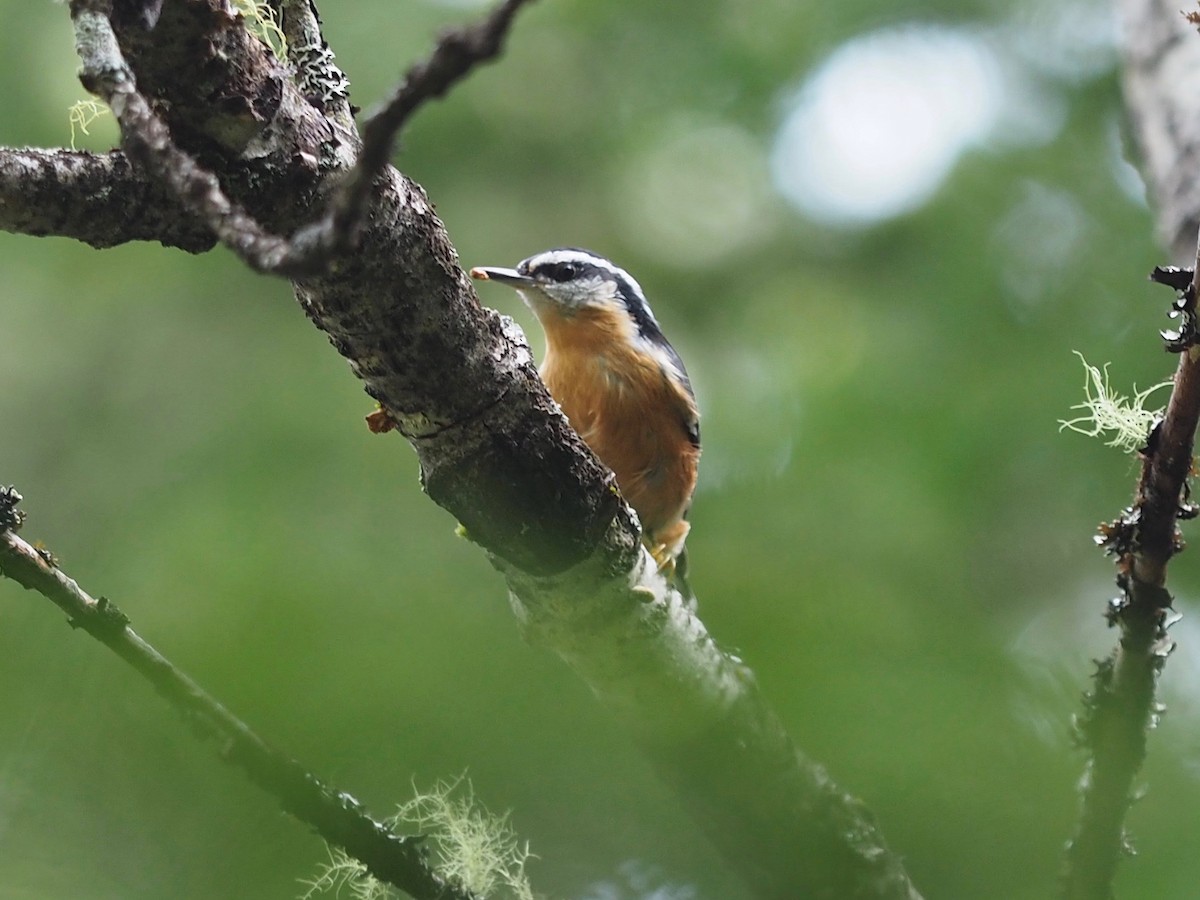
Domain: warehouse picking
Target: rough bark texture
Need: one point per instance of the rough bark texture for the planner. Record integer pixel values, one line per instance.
(81, 195)
(460, 383)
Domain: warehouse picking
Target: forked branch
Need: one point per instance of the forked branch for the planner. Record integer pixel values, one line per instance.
(310, 248)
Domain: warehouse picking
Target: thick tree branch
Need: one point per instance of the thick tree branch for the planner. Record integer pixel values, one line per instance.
(494, 450)
(337, 817)
(101, 200)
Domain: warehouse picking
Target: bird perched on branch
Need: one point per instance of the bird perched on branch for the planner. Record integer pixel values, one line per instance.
(621, 385)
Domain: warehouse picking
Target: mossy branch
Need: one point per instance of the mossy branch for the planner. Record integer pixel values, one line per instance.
(340, 819)
(469, 847)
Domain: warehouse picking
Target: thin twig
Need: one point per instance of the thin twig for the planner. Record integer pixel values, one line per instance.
(457, 53)
(1121, 708)
(339, 818)
(1160, 492)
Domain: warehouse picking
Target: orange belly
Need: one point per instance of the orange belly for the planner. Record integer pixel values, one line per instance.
(634, 418)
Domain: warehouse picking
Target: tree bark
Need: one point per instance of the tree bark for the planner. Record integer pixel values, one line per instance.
(100, 200)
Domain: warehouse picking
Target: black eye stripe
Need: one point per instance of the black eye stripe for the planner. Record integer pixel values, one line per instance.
(564, 271)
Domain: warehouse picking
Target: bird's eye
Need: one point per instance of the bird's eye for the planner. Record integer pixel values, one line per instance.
(566, 271)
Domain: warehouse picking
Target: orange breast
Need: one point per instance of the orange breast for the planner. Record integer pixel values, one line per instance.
(628, 411)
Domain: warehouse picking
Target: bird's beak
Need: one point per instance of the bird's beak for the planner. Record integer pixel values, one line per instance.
(504, 276)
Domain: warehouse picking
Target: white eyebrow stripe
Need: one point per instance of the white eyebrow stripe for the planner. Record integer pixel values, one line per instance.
(562, 256)
(584, 256)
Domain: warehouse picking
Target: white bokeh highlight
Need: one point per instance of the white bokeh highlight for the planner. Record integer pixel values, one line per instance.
(879, 125)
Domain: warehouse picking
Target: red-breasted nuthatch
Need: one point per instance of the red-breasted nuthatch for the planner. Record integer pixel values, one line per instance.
(621, 385)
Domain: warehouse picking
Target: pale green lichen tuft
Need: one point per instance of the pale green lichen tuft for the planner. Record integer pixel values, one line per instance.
(262, 22)
(82, 115)
(470, 848)
(1125, 419)
(345, 876)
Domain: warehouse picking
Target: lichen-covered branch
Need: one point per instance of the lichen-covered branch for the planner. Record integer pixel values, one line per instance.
(318, 77)
(337, 817)
(1162, 92)
(100, 199)
(1120, 709)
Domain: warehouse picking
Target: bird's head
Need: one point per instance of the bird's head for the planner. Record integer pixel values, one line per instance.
(566, 280)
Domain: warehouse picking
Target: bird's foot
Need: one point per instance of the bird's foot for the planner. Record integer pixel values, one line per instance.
(664, 558)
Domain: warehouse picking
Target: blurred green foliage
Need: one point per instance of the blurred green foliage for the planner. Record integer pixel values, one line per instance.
(890, 528)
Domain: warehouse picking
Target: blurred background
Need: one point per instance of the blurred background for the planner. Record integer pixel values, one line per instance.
(875, 231)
